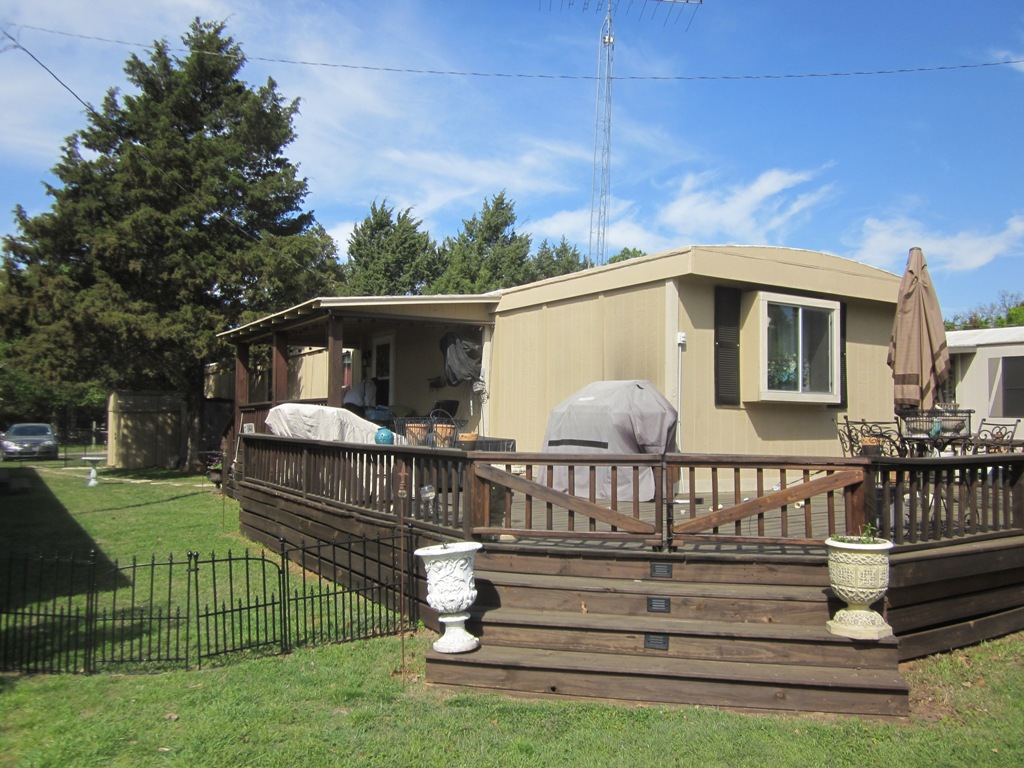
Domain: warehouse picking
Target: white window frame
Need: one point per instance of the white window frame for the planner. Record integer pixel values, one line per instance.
(763, 300)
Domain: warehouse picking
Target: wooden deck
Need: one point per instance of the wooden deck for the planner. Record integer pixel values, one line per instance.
(719, 601)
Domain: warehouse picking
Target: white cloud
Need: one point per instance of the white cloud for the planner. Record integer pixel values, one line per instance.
(341, 232)
(1006, 55)
(759, 211)
(886, 242)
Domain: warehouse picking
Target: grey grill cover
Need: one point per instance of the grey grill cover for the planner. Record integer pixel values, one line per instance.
(610, 417)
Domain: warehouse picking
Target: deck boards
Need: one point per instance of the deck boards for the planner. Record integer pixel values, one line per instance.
(649, 679)
(746, 621)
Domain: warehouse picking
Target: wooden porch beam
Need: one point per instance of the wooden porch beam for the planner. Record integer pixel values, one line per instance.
(279, 370)
(335, 361)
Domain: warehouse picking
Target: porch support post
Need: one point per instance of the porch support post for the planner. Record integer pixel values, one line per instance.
(241, 382)
(279, 370)
(335, 362)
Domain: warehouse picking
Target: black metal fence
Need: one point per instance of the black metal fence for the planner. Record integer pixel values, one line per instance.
(61, 615)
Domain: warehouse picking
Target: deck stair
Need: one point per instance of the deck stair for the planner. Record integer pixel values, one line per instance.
(740, 632)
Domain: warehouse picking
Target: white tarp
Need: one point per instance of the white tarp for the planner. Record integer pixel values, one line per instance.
(610, 417)
(321, 422)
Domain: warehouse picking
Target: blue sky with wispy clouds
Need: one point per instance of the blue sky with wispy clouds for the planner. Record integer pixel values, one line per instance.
(860, 130)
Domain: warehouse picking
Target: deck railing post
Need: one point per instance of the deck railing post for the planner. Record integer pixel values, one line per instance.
(472, 515)
(861, 501)
(669, 477)
(1016, 491)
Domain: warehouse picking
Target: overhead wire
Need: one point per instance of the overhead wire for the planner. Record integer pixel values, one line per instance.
(239, 227)
(543, 76)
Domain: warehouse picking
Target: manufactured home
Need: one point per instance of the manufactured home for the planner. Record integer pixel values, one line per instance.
(759, 348)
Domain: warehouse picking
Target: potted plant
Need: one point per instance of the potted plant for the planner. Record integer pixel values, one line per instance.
(858, 573)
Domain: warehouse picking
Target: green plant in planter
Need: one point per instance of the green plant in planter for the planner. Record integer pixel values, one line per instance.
(868, 535)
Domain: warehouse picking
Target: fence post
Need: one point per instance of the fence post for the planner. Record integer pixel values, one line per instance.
(91, 606)
(284, 587)
(192, 594)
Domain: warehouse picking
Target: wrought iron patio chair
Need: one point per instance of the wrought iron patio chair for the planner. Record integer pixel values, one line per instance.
(994, 436)
(870, 438)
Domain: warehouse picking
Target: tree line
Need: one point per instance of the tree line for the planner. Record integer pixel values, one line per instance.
(177, 215)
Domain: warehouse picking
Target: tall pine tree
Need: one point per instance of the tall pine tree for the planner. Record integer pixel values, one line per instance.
(388, 255)
(487, 254)
(177, 216)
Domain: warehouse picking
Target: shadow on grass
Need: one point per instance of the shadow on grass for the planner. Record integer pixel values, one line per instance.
(42, 546)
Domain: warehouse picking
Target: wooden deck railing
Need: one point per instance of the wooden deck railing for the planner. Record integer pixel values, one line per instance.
(658, 501)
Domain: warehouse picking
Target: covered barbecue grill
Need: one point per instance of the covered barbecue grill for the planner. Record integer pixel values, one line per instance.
(612, 417)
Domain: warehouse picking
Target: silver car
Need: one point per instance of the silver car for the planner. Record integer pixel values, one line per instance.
(29, 441)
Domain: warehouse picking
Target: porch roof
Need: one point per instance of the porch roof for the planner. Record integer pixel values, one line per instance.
(306, 322)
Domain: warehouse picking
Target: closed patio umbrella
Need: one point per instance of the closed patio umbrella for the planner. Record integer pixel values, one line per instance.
(917, 349)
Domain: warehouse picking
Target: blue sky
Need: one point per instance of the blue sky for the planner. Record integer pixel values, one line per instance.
(709, 144)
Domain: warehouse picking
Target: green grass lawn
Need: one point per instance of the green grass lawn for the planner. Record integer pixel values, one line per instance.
(348, 705)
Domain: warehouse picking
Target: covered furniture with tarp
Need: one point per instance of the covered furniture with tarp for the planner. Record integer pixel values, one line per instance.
(612, 417)
(320, 422)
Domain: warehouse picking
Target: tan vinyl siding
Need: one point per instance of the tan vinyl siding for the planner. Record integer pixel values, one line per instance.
(544, 354)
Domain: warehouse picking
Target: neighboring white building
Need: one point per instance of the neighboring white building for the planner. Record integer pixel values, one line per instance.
(988, 371)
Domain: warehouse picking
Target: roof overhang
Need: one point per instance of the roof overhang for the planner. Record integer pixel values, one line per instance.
(304, 323)
(788, 269)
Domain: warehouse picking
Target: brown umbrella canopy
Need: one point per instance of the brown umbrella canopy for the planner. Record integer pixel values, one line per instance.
(917, 349)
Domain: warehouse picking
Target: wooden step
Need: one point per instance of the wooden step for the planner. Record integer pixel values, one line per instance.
(757, 566)
(745, 603)
(680, 638)
(659, 679)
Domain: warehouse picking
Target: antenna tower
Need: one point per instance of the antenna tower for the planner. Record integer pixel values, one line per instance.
(601, 183)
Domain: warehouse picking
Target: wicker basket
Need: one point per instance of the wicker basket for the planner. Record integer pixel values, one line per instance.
(416, 433)
(444, 435)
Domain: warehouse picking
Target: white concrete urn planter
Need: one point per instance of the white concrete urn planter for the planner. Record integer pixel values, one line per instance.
(451, 589)
(858, 572)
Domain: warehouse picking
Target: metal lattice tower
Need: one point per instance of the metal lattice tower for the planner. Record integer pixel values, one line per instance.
(601, 182)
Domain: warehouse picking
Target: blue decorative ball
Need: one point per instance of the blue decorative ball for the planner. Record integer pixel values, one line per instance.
(384, 436)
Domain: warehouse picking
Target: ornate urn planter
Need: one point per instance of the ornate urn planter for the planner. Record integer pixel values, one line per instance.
(858, 572)
(451, 589)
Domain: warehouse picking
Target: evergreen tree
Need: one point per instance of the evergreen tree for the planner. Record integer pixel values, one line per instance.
(560, 260)
(389, 256)
(487, 254)
(626, 254)
(177, 216)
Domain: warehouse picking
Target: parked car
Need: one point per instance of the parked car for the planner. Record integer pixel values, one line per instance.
(29, 441)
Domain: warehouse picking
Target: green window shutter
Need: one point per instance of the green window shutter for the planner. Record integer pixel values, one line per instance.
(727, 345)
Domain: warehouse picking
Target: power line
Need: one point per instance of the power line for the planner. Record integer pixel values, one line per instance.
(542, 76)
